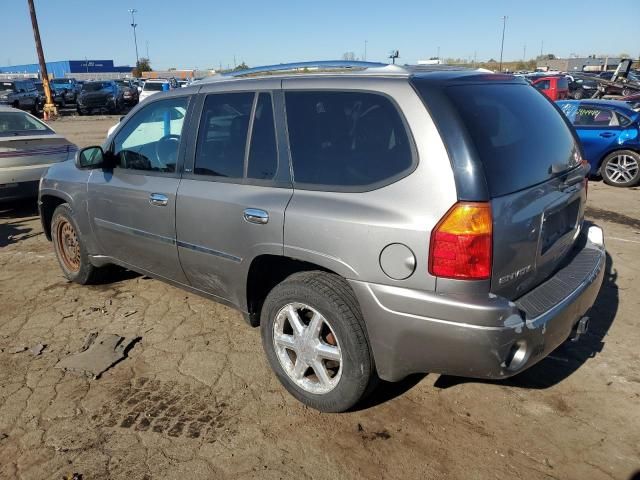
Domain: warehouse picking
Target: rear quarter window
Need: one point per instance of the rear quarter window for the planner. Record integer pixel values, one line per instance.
(346, 140)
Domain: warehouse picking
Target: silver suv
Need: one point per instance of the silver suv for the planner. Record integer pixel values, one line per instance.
(374, 220)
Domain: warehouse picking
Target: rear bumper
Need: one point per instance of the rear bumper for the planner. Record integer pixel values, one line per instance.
(479, 336)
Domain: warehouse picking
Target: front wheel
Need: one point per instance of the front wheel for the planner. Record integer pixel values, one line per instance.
(621, 168)
(70, 250)
(315, 340)
(578, 94)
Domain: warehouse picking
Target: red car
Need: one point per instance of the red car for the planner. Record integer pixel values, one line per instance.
(556, 88)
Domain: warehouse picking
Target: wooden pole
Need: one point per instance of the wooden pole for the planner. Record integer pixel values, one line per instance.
(49, 107)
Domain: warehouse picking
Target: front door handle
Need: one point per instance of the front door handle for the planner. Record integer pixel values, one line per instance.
(607, 134)
(255, 215)
(158, 199)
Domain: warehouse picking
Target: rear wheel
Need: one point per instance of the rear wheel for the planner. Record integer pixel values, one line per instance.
(627, 92)
(621, 168)
(314, 338)
(578, 94)
(70, 250)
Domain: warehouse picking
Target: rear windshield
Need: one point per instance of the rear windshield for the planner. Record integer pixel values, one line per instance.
(520, 137)
(16, 123)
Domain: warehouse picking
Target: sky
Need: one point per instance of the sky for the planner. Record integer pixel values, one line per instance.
(208, 33)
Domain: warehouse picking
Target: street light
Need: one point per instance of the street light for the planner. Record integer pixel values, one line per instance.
(504, 25)
(133, 11)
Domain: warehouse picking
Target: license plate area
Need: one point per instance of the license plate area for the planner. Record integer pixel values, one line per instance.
(557, 223)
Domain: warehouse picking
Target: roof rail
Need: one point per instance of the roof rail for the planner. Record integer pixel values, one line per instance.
(317, 65)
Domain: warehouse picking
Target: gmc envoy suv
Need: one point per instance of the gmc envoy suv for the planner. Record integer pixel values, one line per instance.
(374, 220)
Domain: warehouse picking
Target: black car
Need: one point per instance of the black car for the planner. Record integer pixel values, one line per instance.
(67, 89)
(581, 86)
(129, 91)
(103, 96)
(20, 94)
(57, 97)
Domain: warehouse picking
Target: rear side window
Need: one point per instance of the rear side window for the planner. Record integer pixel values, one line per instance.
(222, 135)
(263, 153)
(543, 85)
(346, 139)
(587, 116)
(519, 136)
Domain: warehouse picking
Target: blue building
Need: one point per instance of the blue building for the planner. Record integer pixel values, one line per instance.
(69, 67)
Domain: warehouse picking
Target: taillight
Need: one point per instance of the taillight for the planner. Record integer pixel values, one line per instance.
(461, 243)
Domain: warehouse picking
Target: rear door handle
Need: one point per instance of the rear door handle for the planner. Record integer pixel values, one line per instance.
(255, 215)
(158, 199)
(607, 134)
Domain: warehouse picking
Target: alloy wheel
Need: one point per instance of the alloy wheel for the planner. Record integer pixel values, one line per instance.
(307, 348)
(622, 168)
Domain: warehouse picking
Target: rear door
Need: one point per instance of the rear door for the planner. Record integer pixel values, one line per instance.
(234, 191)
(132, 206)
(531, 163)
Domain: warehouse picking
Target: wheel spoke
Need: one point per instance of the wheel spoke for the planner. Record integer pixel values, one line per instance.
(315, 325)
(299, 368)
(328, 352)
(321, 373)
(295, 321)
(286, 341)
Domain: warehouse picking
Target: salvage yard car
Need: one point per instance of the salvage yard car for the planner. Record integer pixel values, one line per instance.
(609, 132)
(102, 96)
(27, 148)
(20, 94)
(374, 220)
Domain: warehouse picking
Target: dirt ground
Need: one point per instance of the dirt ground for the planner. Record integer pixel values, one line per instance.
(196, 399)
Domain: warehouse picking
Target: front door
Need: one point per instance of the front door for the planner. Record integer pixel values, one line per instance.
(232, 198)
(132, 206)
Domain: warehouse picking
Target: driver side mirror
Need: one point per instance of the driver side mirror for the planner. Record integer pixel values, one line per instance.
(90, 157)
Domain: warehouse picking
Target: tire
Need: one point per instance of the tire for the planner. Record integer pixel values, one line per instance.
(341, 333)
(72, 257)
(626, 92)
(578, 94)
(621, 168)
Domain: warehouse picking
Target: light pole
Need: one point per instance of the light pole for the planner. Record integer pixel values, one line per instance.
(50, 109)
(365, 50)
(504, 25)
(133, 12)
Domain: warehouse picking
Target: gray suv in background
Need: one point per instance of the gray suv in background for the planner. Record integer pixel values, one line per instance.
(375, 221)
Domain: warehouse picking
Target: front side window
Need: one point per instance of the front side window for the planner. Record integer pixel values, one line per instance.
(222, 135)
(150, 139)
(346, 139)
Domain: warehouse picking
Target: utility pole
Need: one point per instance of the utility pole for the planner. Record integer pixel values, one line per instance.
(438, 56)
(504, 26)
(524, 53)
(365, 50)
(541, 47)
(50, 109)
(133, 12)
(147, 49)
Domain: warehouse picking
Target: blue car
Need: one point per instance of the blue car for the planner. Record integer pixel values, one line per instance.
(610, 138)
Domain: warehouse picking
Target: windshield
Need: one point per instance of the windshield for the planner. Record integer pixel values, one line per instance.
(94, 86)
(14, 123)
(7, 87)
(153, 86)
(61, 81)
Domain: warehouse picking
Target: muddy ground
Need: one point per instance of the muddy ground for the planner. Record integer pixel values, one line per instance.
(195, 398)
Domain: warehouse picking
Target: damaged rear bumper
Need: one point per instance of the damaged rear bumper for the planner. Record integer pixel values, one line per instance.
(479, 336)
